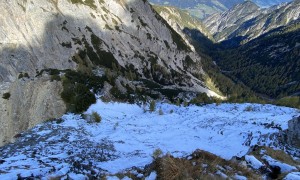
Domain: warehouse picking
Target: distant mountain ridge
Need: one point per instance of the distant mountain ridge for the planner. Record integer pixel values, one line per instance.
(204, 8)
(247, 21)
(221, 3)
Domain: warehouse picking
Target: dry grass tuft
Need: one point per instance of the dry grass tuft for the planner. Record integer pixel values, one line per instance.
(280, 156)
(200, 165)
(171, 168)
(275, 154)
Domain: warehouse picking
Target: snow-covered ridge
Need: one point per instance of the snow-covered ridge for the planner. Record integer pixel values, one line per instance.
(128, 135)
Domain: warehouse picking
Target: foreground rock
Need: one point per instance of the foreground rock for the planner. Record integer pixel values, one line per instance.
(293, 133)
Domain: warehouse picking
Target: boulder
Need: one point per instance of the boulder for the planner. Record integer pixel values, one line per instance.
(293, 133)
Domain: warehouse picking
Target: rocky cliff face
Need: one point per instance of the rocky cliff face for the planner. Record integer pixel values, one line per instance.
(31, 101)
(231, 18)
(67, 34)
(197, 8)
(247, 21)
(180, 20)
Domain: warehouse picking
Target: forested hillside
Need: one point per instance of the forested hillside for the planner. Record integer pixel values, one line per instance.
(270, 64)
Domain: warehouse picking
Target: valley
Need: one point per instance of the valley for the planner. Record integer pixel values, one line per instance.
(131, 89)
(256, 48)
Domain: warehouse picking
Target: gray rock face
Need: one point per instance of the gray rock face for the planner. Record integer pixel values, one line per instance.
(179, 20)
(241, 12)
(31, 101)
(43, 34)
(293, 133)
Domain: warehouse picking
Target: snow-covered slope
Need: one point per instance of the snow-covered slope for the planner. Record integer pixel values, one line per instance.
(128, 135)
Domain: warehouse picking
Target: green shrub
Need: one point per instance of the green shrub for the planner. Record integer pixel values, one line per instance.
(118, 94)
(26, 75)
(77, 90)
(152, 106)
(89, 3)
(218, 102)
(130, 75)
(293, 101)
(185, 103)
(78, 97)
(6, 95)
(157, 153)
(110, 76)
(20, 76)
(170, 93)
(96, 117)
(178, 102)
(55, 78)
(201, 98)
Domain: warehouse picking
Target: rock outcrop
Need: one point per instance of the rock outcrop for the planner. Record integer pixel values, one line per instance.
(30, 103)
(293, 133)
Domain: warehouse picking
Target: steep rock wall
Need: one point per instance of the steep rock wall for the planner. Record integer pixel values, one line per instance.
(30, 102)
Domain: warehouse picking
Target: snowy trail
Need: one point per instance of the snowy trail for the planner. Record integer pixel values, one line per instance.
(135, 135)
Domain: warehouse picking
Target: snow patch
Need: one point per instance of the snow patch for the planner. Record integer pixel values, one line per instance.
(238, 177)
(293, 176)
(152, 176)
(283, 166)
(253, 162)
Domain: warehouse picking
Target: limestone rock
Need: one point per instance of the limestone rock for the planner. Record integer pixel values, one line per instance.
(31, 102)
